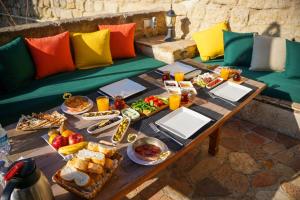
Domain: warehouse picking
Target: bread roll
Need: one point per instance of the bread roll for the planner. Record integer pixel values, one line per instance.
(109, 163)
(67, 173)
(95, 168)
(71, 174)
(95, 157)
(78, 163)
(105, 149)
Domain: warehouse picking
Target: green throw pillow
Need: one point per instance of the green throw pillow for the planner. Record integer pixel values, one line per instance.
(292, 62)
(237, 48)
(16, 66)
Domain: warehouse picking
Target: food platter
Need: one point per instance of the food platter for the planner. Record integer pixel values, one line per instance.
(37, 121)
(121, 130)
(100, 115)
(135, 157)
(88, 105)
(104, 124)
(87, 172)
(150, 105)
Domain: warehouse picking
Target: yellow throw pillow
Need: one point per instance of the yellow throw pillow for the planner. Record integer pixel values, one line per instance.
(91, 49)
(210, 42)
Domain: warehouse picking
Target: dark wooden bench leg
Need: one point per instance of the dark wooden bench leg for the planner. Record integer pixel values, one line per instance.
(214, 141)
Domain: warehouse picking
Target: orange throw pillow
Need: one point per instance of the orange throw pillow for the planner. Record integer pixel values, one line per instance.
(121, 40)
(51, 55)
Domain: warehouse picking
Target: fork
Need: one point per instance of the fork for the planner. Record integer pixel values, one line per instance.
(217, 97)
(157, 130)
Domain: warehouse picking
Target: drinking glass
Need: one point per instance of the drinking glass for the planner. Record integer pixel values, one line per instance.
(102, 103)
(225, 73)
(119, 103)
(179, 76)
(166, 76)
(174, 101)
(184, 96)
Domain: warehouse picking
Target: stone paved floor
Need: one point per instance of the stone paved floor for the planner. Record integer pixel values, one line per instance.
(253, 163)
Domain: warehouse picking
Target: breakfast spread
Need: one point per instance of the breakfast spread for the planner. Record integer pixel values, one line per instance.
(104, 124)
(77, 103)
(40, 120)
(120, 133)
(100, 115)
(87, 172)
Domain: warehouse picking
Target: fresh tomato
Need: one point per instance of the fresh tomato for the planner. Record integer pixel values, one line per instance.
(156, 104)
(147, 100)
(151, 97)
(160, 102)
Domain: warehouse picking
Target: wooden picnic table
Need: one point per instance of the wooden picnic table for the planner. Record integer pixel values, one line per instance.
(129, 175)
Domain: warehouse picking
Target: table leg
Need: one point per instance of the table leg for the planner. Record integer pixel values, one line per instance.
(214, 141)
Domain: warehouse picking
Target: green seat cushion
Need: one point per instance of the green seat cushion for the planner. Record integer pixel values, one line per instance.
(237, 48)
(278, 85)
(292, 65)
(16, 66)
(43, 94)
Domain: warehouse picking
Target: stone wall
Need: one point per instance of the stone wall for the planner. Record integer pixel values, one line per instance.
(86, 24)
(271, 17)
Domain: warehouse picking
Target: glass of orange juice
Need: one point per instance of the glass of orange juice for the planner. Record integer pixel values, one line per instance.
(174, 101)
(102, 103)
(179, 76)
(225, 73)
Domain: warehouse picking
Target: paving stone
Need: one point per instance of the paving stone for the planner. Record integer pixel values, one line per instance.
(264, 179)
(234, 144)
(274, 195)
(267, 164)
(243, 162)
(209, 187)
(273, 148)
(291, 190)
(235, 182)
(295, 164)
(287, 141)
(255, 139)
(265, 132)
(203, 168)
(284, 170)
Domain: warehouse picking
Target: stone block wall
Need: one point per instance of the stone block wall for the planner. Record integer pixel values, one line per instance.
(269, 17)
(86, 24)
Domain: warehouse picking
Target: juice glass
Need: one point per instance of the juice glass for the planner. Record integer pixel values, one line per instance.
(179, 76)
(225, 73)
(174, 101)
(102, 103)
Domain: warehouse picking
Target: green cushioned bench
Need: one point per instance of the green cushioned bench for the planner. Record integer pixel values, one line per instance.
(44, 94)
(278, 85)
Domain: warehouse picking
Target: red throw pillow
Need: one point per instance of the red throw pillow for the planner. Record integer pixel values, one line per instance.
(121, 40)
(51, 55)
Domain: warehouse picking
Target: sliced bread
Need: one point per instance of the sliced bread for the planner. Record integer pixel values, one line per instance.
(95, 157)
(95, 168)
(71, 174)
(105, 149)
(78, 163)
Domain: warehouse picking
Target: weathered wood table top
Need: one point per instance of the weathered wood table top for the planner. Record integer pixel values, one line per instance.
(129, 175)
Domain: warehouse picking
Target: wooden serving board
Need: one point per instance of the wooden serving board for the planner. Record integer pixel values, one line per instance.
(156, 111)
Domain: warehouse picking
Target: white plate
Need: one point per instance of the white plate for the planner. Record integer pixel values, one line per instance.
(105, 127)
(134, 158)
(65, 157)
(101, 116)
(183, 122)
(177, 67)
(124, 88)
(231, 91)
(65, 109)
